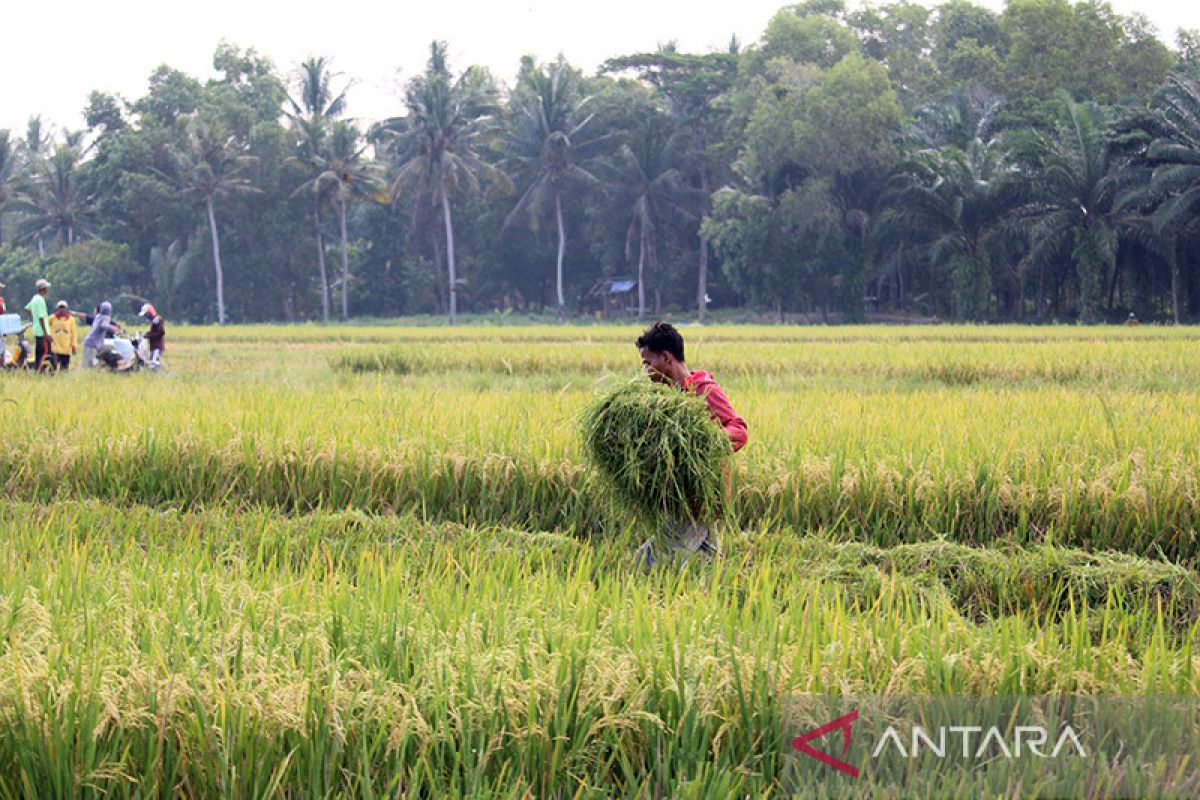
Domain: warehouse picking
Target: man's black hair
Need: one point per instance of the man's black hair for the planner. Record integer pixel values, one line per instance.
(662, 337)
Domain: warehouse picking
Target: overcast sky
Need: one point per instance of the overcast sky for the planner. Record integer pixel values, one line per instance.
(52, 56)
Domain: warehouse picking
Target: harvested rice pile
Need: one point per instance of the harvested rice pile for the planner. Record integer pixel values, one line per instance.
(660, 451)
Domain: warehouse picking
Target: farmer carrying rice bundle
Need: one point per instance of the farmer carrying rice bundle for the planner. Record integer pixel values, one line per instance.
(665, 447)
(662, 351)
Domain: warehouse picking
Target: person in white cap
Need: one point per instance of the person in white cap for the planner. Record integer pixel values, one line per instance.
(3, 308)
(156, 336)
(41, 324)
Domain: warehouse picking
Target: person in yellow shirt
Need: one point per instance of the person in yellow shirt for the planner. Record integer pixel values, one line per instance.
(64, 336)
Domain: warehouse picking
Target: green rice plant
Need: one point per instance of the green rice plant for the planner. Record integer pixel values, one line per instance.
(659, 450)
(258, 575)
(224, 653)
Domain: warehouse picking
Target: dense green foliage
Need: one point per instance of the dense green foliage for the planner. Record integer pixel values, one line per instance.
(1033, 164)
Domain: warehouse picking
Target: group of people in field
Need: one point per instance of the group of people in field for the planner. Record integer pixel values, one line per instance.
(56, 335)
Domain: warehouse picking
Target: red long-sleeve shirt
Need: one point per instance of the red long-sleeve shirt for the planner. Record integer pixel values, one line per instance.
(703, 384)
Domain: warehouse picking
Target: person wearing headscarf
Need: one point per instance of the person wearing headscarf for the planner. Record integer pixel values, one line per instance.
(102, 326)
(156, 336)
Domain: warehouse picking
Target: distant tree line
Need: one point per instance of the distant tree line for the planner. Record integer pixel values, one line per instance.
(1038, 164)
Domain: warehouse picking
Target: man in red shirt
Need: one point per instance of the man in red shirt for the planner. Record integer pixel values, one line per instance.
(662, 351)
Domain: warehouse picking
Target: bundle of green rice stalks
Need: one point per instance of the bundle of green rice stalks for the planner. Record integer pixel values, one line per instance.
(660, 451)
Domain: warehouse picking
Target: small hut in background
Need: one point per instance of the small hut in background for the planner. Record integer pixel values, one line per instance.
(612, 297)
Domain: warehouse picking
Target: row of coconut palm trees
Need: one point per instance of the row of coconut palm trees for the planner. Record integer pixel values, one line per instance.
(435, 150)
(431, 155)
(967, 196)
(437, 153)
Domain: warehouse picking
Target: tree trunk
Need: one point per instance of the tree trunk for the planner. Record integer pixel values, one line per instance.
(216, 245)
(345, 264)
(1174, 264)
(321, 262)
(1020, 295)
(1041, 295)
(1112, 286)
(450, 266)
(562, 246)
(641, 279)
(436, 244)
(702, 288)
(41, 248)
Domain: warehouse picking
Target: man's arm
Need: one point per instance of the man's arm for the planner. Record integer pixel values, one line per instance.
(722, 409)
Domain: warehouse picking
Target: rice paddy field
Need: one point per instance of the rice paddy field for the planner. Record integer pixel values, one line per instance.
(319, 562)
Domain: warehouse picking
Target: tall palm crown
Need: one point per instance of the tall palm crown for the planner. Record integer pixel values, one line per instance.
(647, 183)
(212, 164)
(52, 202)
(312, 110)
(8, 175)
(317, 98)
(547, 152)
(1165, 186)
(343, 176)
(435, 145)
(210, 167)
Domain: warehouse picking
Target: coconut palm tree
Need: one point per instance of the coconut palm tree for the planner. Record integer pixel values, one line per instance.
(310, 145)
(211, 167)
(344, 177)
(8, 175)
(312, 109)
(30, 152)
(1069, 181)
(52, 203)
(435, 145)
(692, 85)
(317, 98)
(648, 186)
(547, 152)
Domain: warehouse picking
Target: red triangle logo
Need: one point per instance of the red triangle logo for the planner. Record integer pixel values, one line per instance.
(843, 724)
